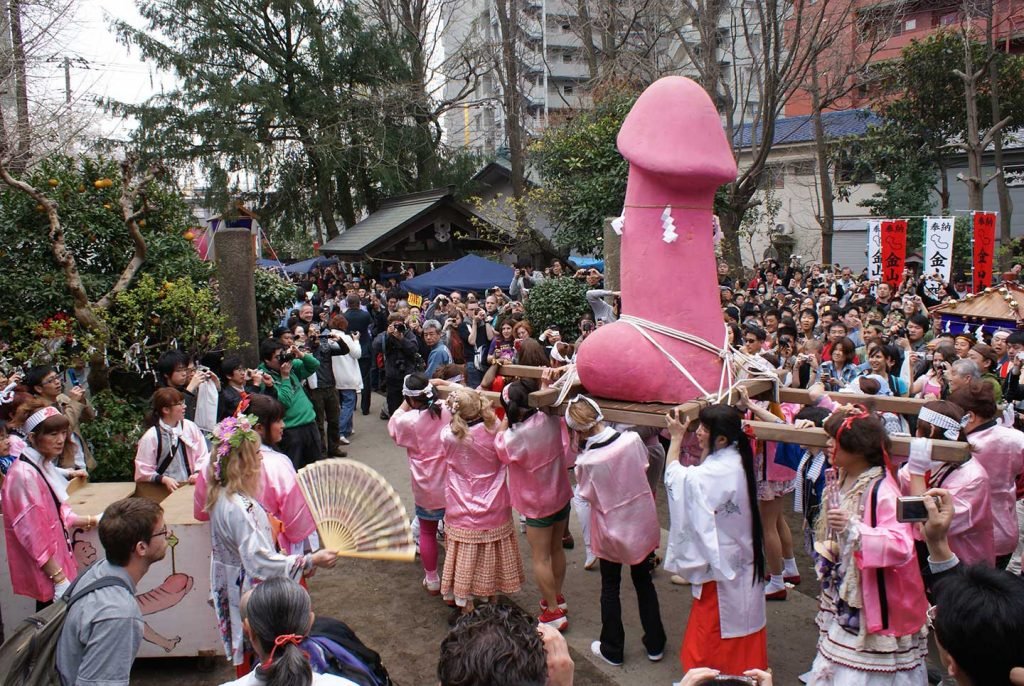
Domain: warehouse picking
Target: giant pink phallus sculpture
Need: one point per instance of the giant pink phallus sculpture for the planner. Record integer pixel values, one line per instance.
(678, 155)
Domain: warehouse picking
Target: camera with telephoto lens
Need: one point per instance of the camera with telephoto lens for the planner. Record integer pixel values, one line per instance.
(285, 356)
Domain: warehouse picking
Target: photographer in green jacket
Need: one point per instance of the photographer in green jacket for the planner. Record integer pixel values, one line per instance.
(288, 366)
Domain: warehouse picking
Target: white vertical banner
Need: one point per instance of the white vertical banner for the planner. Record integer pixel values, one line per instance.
(938, 252)
(875, 249)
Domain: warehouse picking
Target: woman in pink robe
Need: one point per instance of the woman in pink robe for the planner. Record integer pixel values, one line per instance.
(1000, 450)
(971, 533)
(534, 445)
(482, 554)
(416, 426)
(872, 609)
(37, 520)
(611, 472)
(280, 494)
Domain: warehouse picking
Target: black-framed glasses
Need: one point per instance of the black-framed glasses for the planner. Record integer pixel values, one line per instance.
(51, 379)
(157, 534)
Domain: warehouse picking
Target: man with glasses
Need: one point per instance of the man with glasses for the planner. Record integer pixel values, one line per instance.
(103, 630)
(46, 383)
(753, 339)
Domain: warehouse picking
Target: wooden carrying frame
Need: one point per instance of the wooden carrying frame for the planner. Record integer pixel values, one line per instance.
(654, 414)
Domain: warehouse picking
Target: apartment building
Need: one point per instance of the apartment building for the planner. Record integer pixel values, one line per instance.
(553, 70)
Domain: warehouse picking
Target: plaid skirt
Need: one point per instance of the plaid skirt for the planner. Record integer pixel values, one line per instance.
(479, 564)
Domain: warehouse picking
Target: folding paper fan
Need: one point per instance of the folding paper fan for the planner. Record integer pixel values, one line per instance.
(357, 512)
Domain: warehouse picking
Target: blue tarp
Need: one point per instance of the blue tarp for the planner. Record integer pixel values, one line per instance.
(306, 266)
(587, 262)
(270, 264)
(471, 273)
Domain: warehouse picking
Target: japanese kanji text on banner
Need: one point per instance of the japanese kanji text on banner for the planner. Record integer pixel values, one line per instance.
(894, 250)
(984, 247)
(875, 249)
(938, 252)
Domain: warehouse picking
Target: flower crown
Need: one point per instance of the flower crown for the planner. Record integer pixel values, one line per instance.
(231, 433)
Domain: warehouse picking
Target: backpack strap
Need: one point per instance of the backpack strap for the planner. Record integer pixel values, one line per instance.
(166, 462)
(883, 601)
(53, 494)
(103, 582)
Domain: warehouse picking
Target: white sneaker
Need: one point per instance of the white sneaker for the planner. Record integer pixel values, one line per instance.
(595, 648)
(591, 562)
(433, 587)
(343, 440)
(678, 580)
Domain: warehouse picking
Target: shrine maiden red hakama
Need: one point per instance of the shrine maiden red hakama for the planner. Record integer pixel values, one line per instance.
(711, 545)
(482, 555)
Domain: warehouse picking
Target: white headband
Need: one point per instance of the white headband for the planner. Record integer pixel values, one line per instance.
(428, 390)
(39, 417)
(951, 427)
(576, 426)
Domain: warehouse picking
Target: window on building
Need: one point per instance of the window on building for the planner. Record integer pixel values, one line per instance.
(567, 57)
(568, 90)
(566, 27)
(773, 176)
(849, 171)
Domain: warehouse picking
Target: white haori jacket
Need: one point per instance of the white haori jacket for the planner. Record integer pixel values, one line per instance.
(711, 537)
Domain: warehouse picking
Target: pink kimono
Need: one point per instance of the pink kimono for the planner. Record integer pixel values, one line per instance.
(1000, 450)
(535, 451)
(623, 519)
(971, 534)
(889, 546)
(419, 432)
(32, 528)
(280, 496)
(771, 471)
(476, 493)
(146, 458)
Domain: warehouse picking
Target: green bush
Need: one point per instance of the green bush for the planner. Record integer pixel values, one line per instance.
(113, 435)
(559, 301)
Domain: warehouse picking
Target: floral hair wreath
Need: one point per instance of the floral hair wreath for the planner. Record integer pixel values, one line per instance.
(232, 432)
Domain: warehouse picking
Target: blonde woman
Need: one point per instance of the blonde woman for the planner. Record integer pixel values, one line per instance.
(242, 541)
(482, 554)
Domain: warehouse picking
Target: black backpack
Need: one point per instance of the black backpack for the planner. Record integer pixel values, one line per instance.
(29, 656)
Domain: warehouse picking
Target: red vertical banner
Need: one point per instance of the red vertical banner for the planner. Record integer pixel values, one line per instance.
(894, 250)
(984, 247)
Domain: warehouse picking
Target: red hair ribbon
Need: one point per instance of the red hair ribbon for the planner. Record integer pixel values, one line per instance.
(278, 642)
(243, 404)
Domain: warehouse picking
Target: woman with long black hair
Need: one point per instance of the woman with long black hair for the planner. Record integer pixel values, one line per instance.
(716, 543)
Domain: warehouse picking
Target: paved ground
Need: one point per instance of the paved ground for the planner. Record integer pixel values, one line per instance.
(387, 607)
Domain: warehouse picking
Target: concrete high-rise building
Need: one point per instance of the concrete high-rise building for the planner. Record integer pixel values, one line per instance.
(553, 70)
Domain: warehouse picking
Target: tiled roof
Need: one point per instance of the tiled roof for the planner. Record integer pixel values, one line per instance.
(393, 215)
(800, 129)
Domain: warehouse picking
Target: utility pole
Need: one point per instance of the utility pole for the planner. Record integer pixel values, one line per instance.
(67, 79)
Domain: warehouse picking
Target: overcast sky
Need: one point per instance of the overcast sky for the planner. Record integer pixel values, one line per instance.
(101, 67)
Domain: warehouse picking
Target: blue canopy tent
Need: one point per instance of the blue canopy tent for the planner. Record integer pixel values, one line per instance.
(269, 264)
(470, 273)
(587, 262)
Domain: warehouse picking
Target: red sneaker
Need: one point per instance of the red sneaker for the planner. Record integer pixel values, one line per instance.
(562, 605)
(555, 619)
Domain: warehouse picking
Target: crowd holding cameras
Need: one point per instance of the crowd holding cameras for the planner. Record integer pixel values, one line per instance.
(900, 549)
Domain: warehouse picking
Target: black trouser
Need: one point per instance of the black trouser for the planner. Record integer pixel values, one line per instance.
(302, 444)
(1003, 561)
(328, 409)
(394, 390)
(367, 393)
(613, 635)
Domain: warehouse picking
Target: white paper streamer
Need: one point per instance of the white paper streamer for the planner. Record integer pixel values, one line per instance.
(668, 226)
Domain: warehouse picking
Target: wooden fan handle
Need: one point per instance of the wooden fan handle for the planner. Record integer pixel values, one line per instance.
(390, 555)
